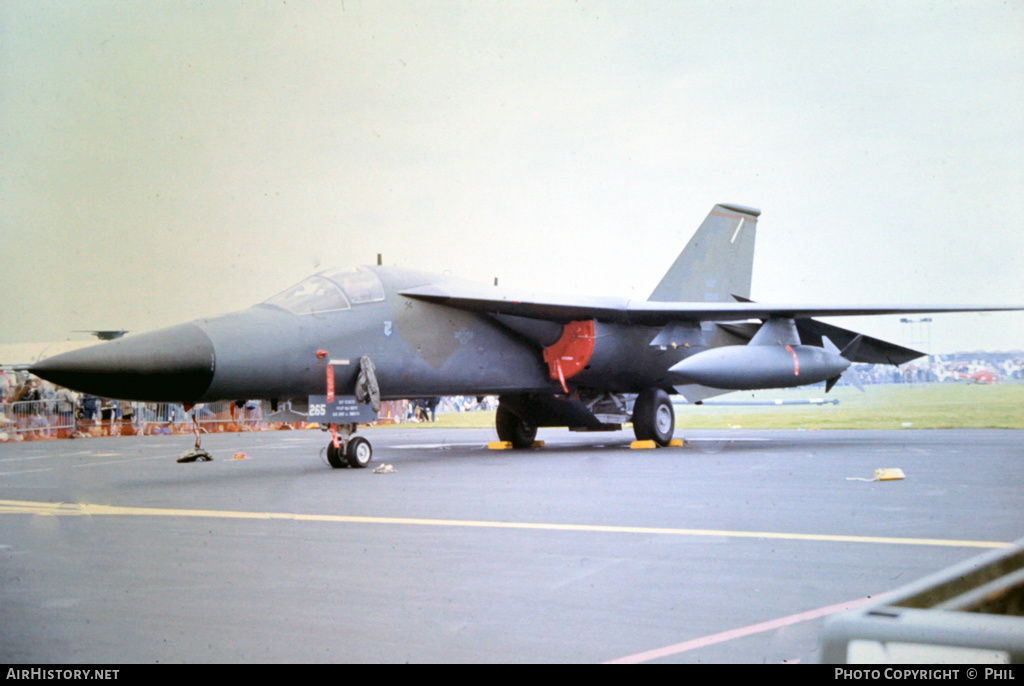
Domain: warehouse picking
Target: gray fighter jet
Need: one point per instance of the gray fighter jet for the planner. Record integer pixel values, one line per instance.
(590, 364)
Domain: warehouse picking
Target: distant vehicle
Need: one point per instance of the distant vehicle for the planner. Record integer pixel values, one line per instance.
(967, 372)
(982, 375)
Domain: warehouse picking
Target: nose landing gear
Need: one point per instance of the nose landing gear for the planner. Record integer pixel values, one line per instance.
(346, 450)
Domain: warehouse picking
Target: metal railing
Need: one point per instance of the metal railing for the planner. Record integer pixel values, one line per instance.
(52, 419)
(37, 419)
(43, 419)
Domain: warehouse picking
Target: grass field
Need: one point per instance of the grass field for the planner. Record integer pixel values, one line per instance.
(911, 406)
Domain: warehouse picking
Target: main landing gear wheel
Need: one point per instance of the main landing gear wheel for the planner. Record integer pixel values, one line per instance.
(513, 429)
(653, 417)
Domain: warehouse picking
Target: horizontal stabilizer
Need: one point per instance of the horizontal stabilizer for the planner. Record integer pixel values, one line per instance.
(869, 350)
(849, 351)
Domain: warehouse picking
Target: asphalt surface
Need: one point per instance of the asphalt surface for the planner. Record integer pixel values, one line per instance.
(726, 550)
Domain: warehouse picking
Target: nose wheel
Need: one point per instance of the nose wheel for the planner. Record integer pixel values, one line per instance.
(358, 453)
(346, 450)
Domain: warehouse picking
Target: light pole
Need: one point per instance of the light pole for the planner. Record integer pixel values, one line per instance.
(923, 335)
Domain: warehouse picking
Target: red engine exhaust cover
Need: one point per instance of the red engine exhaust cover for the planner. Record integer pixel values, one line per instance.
(568, 355)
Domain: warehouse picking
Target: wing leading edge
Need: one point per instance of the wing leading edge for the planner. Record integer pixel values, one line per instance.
(490, 300)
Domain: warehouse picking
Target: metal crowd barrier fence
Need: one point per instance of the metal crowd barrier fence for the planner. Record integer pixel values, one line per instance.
(50, 419)
(167, 418)
(44, 419)
(35, 419)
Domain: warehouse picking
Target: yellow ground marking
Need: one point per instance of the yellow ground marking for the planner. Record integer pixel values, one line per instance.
(86, 509)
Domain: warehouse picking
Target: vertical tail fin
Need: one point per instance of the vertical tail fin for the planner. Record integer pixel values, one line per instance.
(717, 262)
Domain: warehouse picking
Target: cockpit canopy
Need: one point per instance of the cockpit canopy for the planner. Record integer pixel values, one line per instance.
(330, 291)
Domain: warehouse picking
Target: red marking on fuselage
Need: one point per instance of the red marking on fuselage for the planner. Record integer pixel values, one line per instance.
(322, 354)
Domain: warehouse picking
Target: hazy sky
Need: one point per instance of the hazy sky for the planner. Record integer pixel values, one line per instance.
(162, 161)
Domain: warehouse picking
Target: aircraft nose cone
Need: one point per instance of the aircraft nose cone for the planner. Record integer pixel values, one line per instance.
(170, 364)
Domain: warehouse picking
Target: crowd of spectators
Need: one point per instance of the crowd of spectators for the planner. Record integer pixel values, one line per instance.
(975, 367)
